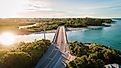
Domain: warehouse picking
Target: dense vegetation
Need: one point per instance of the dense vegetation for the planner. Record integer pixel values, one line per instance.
(49, 23)
(23, 55)
(84, 22)
(93, 56)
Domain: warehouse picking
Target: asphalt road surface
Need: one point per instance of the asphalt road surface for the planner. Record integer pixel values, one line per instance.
(58, 53)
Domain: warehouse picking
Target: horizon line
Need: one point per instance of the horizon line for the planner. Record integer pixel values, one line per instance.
(60, 17)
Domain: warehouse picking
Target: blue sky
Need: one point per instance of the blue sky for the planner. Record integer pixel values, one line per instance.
(61, 8)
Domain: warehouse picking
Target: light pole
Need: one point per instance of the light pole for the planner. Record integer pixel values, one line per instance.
(44, 32)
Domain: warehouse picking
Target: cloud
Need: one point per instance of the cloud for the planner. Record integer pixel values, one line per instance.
(116, 6)
(41, 9)
(44, 14)
(57, 8)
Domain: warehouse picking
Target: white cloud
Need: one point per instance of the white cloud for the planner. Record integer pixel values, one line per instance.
(40, 9)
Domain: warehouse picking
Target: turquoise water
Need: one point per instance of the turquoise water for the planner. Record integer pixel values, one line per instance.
(109, 36)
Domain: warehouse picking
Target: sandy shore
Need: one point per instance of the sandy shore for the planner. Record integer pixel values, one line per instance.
(95, 27)
(76, 29)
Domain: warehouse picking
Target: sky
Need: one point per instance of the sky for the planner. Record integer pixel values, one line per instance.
(60, 8)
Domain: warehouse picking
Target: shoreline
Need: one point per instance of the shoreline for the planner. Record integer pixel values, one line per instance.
(68, 29)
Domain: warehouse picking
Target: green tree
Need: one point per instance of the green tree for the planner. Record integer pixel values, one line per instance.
(16, 60)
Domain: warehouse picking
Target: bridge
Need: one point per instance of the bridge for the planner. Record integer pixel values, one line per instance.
(58, 54)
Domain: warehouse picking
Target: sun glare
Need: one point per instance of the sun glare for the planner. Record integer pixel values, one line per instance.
(7, 38)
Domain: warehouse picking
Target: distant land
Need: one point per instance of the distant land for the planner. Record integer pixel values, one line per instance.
(49, 23)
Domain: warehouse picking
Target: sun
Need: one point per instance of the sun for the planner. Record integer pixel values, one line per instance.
(7, 38)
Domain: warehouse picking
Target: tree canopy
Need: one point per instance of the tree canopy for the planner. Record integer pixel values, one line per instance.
(93, 56)
(23, 55)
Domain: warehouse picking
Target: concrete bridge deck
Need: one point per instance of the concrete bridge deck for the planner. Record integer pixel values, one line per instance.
(58, 53)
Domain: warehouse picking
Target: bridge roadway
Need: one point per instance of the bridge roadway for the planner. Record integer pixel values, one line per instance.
(58, 53)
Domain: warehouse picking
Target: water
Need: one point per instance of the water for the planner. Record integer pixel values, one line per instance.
(32, 37)
(108, 36)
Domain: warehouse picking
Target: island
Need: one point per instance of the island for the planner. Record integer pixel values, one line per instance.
(41, 24)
